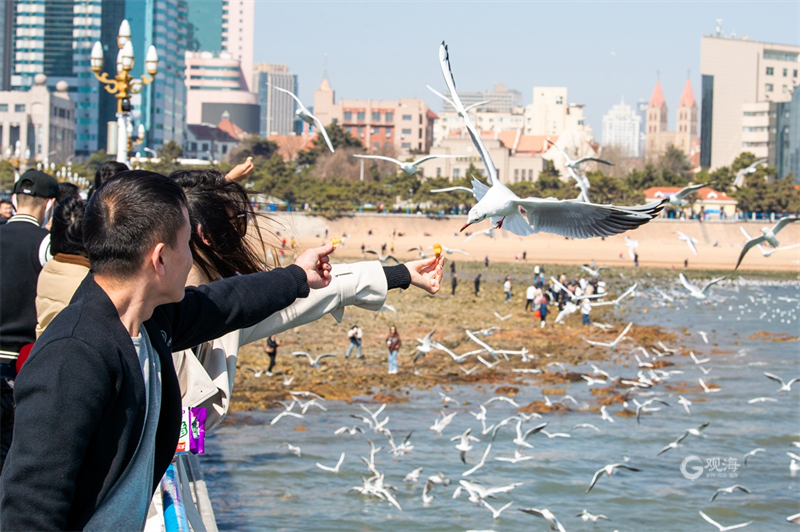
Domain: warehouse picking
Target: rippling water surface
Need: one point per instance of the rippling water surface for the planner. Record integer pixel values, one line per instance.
(256, 486)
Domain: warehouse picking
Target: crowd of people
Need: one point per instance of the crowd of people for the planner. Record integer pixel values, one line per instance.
(124, 305)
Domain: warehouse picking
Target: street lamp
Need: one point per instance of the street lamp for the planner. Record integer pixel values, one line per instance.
(123, 85)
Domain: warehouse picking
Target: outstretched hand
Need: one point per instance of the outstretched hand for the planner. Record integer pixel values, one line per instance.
(316, 263)
(426, 273)
(240, 171)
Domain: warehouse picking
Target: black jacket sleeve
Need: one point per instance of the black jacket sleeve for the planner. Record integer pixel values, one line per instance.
(216, 309)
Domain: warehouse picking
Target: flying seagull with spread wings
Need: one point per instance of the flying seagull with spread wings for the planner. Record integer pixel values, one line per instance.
(407, 168)
(768, 236)
(305, 115)
(568, 218)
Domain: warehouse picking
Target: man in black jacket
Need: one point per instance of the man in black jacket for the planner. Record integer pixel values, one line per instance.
(98, 401)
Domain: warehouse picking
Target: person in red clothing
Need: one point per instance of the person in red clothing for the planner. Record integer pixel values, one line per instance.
(393, 343)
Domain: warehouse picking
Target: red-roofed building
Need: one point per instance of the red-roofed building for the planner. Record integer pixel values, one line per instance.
(710, 201)
(658, 137)
(290, 145)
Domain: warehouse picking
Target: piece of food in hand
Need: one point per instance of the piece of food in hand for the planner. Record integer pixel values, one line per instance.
(249, 159)
(336, 241)
(437, 250)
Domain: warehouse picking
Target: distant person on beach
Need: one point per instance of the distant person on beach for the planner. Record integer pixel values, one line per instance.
(685, 264)
(586, 308)
(393, 343)
(477, 284)
(486, 261)
(507, 289)
(530, 294)
(543, 311)
(271, 345)
(354, 334)
(453, 283)
(635, 259)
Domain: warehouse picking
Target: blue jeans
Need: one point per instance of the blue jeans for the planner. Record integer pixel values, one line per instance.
(586, 320)
(393, 361)
(350, 349)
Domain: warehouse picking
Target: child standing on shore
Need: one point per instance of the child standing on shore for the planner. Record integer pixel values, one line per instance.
(393, 343)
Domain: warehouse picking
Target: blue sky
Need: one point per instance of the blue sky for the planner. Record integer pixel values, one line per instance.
(602, 51)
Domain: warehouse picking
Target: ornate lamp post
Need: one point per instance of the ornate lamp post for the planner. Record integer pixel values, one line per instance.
(123, 85)
(18, 159)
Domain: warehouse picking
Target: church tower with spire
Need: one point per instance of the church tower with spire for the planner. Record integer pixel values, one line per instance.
(656, 123)
(687, 120)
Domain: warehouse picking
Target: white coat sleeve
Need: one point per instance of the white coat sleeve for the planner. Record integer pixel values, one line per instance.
(360, 284)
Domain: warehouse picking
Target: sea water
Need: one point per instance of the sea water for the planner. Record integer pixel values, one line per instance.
(256, 486)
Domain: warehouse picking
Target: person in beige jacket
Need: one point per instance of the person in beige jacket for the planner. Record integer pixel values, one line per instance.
(61, 276)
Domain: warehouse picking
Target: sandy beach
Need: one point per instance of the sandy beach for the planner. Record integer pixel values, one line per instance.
(719, 243)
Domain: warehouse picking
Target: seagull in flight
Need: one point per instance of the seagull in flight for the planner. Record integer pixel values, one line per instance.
(464, 445)
(591, 272)
(547, 515)
(608, 470)
(479, 464)
(313, 361)
(724, 528)
(785, 386)
(632, 245)
(707, 389)
(502, 318)
(729, 491)
(696, 292)
(612, 345)
(424, 346)
(764, 251)
(406, 167)
(332, 469)
(677, 199)
(576, 172)
(568, 218)
(586, 516)
(752, 453)
(305, 115)
(488, 232)
(768, 236)
(739, 180)
(381, 258)
(690, 240)
(616, 302)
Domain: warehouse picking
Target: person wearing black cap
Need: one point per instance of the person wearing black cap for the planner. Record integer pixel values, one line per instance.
(24, 249)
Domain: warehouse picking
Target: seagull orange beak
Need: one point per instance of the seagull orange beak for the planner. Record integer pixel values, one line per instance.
(465, 226)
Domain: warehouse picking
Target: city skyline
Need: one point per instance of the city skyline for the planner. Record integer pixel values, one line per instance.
(608, 63)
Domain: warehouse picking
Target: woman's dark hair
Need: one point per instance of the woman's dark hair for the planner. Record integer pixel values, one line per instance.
(128, 215)
(106, 171)
(66, 232)
(67, 190)
(219, 213)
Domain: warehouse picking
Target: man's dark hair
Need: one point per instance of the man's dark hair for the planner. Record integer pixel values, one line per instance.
(128, 215)
(66, 232)
(67, 190)
(106, 171)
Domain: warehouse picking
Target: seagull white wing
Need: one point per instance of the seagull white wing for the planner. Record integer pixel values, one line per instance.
(691, 245)
(624, 332)
(576, 219)
(756, 163)
(477, 104)
(290, 93)
(745, 233)
(440, 95)
(689, 286)
(712, 282)
(324, 133)
(685, 191)
(444, 62)
(477, 341)
(783, 222)
(586, 159)
(450, 189)
(395, 161)
(748, 245)
(429, 157)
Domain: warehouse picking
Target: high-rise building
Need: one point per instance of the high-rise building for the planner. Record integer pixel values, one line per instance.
(277, 108)
(215, 86)
(55, 38)
(551, 114)
(161, 106)
(6, 42)
(657, 135)
(738, 73)
(500, 99)
(238, 25)
(621, 128)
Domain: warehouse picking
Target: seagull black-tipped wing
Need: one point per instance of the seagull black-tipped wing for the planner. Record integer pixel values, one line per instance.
(576, 219)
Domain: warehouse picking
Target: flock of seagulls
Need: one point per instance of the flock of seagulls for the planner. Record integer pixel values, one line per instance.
(502, 433)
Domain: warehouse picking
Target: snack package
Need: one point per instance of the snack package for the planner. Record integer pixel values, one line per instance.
(184, 439)
(197, 433)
